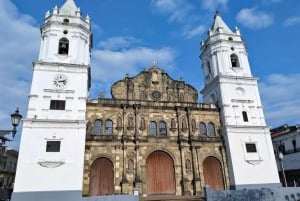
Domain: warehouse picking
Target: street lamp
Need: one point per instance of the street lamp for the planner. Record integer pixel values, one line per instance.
(280, 156)
(15, 120)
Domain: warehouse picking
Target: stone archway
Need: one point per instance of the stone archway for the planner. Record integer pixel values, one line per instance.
(213, 175)
(160, 174)
(101, 177)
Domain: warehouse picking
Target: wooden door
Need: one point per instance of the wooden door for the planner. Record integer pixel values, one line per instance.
(101, 177)
(213, 173)
(160, 174)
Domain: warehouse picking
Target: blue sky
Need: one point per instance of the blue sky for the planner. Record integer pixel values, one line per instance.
(130, 34)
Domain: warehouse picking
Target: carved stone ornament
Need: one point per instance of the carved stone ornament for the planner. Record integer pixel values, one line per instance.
(51, 164)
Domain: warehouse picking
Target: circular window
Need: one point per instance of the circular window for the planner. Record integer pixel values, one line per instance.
(156, 95)
(65, 32)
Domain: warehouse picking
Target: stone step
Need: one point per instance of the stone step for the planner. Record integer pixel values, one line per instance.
(171, 198)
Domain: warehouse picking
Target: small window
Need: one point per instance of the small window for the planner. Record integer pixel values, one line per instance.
(234, 60)
(53, 146)
(211, 130)
(162, 129)
(208, 67)
(152, 128)
(251, 147)
(98, 127)
(57, 105)
(230, 38)
(202, 129)
(63, 47)
(66, 20)
(108, 127)
(245, 116)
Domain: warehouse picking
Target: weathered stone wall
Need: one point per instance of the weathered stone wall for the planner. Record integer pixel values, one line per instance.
(130, 142)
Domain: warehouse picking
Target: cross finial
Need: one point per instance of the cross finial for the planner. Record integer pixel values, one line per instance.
(154, 62)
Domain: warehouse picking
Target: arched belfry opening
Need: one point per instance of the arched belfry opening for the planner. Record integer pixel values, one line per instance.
(234, 60)
(160, 174)
(63, 46)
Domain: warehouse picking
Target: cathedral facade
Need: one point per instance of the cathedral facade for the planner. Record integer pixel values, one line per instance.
(153, 136)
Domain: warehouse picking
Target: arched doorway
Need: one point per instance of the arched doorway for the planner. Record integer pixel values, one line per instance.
(213, 175)
(160, 174)
(101, 177)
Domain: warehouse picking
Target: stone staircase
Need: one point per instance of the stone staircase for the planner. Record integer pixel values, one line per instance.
(172, 198)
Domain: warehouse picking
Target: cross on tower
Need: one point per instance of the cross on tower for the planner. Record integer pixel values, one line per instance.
(154, 62)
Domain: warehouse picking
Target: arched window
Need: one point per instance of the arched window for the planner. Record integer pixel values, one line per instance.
(63, 46)
(202, 129)
(108, 127)
(234, 60)
(245, 116)
(152, 128)
(162, 129)
(211, 130)
(98, 127)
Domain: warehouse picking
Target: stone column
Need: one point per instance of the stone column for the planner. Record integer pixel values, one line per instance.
(197, 183)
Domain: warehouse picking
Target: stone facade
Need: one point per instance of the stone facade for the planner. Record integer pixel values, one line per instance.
(152, 113)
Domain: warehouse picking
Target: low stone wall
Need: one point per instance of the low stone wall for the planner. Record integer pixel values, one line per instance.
(267, 194)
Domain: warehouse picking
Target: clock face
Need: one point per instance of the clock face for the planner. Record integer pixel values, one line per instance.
(60, 81)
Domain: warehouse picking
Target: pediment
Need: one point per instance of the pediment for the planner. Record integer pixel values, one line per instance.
(153, 85)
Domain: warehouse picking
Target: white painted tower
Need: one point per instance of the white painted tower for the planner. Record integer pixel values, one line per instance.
(230, 84)
(51, 156)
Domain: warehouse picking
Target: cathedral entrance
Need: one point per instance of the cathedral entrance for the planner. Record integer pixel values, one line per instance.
(160, 174)
(101, 177)
(213, 175)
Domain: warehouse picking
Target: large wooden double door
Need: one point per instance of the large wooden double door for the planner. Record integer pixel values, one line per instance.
(213, 175)
(160, 174)
(101, 177)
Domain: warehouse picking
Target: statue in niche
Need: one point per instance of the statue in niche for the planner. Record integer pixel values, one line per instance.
(188, 165)
(183, 125)
(181, 97)
(155, 77)
(130, 123)
(130, 90)
(170, 97)
(173, 125)
(119, 123)
(142, 124)
(194, 128)
(130, 165)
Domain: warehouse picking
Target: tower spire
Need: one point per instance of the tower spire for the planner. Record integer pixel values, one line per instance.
(219, 25)
(68, 8)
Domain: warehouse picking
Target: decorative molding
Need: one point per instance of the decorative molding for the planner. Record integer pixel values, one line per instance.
(51, 164)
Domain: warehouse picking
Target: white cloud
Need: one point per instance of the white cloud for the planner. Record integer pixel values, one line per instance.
(118, 43)
(196, 31)
(214, 5)
(291, 21)
(177, 9)
(281, 99)
(109, 66)
(19, 40)
(252, 18)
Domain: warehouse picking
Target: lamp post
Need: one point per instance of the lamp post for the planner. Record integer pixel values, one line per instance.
(15, 120)
(280, 156)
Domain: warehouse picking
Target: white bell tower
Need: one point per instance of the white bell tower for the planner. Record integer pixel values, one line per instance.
(230, 85)
(51, 157)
